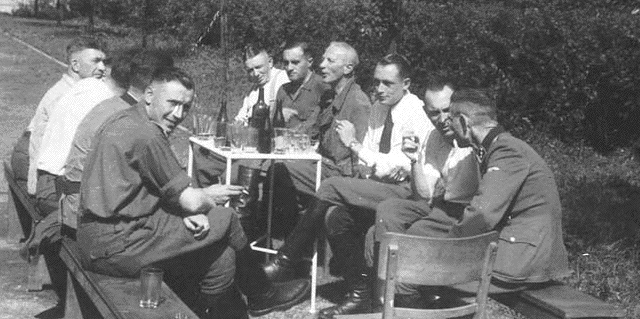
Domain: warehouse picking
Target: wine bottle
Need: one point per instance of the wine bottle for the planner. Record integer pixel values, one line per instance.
(260, 115)
(278, 117)
(222, 122)
(265, 136)
(259, 112)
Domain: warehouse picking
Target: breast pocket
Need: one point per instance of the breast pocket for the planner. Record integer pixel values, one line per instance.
(518, 251)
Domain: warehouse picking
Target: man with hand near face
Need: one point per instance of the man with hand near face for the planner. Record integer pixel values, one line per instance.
(444, 179)
(138, 209)
(395, 112)
(517, 196)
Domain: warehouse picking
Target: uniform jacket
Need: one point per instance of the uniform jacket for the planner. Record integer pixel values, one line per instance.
(518, 197)
(351, 104)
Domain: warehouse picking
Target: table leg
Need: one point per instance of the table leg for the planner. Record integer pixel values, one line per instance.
(314, 260)
(270, 206)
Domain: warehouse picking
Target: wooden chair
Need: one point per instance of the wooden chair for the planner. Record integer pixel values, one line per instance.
(437, 262)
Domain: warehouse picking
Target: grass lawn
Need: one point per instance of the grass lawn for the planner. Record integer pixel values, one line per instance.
(600, 194)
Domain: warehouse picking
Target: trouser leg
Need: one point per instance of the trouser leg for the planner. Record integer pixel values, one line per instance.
(345, 231)
(436, 224)
(46, 196)
(247, 206)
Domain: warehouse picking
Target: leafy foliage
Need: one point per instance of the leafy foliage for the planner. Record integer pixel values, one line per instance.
(567, 67)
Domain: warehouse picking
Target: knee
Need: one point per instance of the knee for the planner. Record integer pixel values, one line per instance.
(221, 273)
(329, 187)
(336, 221)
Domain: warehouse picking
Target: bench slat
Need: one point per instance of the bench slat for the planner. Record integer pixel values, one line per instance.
(118, 298)
(559, 301)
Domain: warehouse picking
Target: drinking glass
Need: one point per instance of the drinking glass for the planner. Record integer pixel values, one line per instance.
(250, 139)
(281, 141)
(150, 287)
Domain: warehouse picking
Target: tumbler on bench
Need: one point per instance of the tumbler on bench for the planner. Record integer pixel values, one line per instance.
(150, 287)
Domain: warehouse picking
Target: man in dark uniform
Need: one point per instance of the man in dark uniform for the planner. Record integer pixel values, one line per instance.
(138, 209)
(517, 196)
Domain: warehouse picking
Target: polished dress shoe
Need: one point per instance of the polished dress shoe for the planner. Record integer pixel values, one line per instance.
(358, 301)
(280, 269)
(280, 296)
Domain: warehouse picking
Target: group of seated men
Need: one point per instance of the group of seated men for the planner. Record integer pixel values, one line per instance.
(99, 145)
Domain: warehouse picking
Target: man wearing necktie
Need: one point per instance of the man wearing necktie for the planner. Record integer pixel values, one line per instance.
(395, 113)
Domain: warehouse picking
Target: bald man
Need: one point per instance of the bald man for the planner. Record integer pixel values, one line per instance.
(345, 100)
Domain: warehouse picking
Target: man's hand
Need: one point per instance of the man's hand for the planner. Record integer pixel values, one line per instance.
(410, 147)
(393, 176)
(288, 112)
(222, 193)
(198, 225)
(346, 131)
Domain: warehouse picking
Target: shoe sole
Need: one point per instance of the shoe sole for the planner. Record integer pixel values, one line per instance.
(281, 307)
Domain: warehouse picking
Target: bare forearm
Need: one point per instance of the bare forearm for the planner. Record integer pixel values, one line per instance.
(195, 201)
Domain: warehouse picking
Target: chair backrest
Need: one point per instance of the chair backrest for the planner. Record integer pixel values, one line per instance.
(437, 262)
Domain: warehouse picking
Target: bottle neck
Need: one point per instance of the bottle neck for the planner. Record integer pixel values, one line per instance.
(261, 94)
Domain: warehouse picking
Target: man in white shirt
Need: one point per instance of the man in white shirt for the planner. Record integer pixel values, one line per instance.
(396, 111)
(444, 179)
(63, 121)
(86, 59)
(262, 74)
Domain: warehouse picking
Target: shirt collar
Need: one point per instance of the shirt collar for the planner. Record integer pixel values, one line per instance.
(486, 143)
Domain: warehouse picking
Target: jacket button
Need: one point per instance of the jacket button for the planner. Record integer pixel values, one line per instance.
(512, 239)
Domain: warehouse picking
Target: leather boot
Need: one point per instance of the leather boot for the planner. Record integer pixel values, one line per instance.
(247, 205)
(264, 296)
(281, 268)
(289, 258)
(225, 305)
(357, 301)
(349, 248)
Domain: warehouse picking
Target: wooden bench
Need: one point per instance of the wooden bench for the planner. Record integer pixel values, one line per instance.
(28, 216)
(92, 295)
(557, 300)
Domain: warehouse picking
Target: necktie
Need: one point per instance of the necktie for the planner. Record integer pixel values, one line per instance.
(385, 139)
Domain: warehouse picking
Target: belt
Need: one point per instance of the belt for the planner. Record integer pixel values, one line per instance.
(67, 187)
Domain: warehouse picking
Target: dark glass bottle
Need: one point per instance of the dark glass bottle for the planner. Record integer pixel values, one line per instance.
(222, 122)
(265, 136)
(259, 112)
(259, 117)
(278, 117)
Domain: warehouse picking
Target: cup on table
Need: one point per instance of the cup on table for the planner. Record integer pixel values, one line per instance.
(281, 141)
(301, 143)
(150, 287)
(249, 142)
(203, 126)
(236, 130)
(204, 136)
(219, 141)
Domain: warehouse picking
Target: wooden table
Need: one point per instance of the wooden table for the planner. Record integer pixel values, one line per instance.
(230, 155)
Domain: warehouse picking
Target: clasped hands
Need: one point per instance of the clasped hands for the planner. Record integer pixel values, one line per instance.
(198, 224)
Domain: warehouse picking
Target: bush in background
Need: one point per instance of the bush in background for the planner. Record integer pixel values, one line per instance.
(565, 67)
